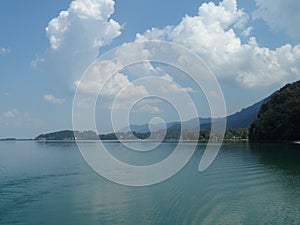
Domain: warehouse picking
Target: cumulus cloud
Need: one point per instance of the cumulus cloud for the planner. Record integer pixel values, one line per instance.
(77, 34)
(75, 37)
(113, 78)
(85, 20)
(104, 79)
(280, 15)
(52, 99)
(212, 35)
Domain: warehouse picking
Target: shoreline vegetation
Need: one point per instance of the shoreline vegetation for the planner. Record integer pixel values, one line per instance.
(170, 135)
(278, 118)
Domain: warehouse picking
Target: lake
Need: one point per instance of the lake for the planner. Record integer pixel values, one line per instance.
(50, 183)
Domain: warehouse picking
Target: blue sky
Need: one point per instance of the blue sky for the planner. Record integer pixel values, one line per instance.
(252, 47)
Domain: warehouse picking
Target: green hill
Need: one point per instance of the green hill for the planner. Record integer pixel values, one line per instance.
(66, 135)
(279, 117)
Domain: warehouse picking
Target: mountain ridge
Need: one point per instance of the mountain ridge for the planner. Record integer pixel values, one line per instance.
(241, 119)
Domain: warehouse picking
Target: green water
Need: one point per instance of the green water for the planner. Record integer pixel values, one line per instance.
(50, 183)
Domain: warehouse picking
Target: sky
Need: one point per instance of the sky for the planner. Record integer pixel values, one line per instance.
(252, 47)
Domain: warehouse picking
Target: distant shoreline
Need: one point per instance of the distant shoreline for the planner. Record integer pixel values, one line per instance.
(16, 139)
(124, 140)
(225, 141)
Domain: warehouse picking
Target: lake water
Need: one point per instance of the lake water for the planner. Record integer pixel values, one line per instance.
(50, 183)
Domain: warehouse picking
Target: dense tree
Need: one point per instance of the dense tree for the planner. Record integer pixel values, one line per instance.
(171, 134)
(279, 117)
(68, 135)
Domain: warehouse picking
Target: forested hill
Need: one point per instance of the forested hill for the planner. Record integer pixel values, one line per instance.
(279, 117)
(68, 135)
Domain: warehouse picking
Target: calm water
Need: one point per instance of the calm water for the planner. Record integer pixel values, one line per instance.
(49, 183)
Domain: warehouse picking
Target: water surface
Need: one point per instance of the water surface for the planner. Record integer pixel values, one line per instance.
(50, 183)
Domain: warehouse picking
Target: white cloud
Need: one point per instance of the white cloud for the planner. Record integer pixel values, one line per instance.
(86, 22)
(226, 14)
(172, 87)
(247, 32)
(280, 15)
(212, 35)
(147, 108)
(4, 50)
(149, 105)
(104, 79)
(16, 119)
(11, 114)
(77, 34)
(75, 37)
(52, 99)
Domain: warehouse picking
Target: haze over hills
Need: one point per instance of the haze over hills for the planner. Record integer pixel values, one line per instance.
(273, 118)
(144, 128)
(242, 119)
(236, 123)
